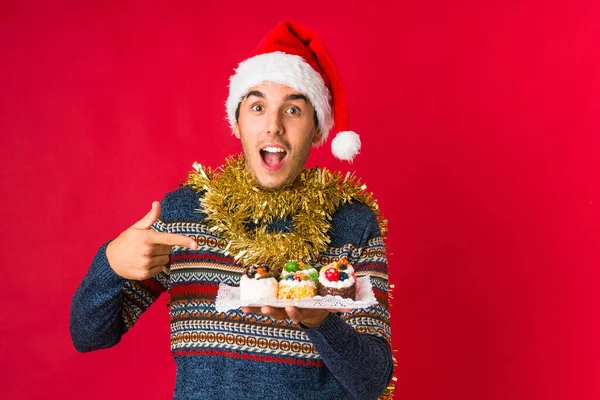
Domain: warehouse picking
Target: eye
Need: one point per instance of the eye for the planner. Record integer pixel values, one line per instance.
(293, 110)
(257, 108)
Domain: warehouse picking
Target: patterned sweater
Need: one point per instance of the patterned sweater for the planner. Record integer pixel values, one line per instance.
(220, 355)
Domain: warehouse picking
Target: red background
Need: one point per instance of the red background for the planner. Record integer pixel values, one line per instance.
(479, 125)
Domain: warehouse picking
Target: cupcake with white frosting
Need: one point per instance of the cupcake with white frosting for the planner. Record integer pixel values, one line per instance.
(258, 282)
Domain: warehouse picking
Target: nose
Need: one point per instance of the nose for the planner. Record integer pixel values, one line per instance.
(274, 125)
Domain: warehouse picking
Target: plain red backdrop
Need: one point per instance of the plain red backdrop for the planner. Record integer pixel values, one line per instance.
(480, 129)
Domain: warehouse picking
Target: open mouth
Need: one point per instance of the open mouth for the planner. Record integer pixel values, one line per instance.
(273, 156)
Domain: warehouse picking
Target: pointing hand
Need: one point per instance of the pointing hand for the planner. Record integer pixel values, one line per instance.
(140, 253)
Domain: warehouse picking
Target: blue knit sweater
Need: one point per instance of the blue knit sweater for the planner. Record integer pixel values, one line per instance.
(220, 355)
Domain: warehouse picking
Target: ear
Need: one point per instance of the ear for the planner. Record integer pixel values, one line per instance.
(236, 130)
(317, 137)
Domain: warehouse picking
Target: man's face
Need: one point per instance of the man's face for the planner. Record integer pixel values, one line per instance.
(277, 129)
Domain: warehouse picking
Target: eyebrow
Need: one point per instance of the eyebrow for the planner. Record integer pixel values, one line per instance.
(256, 93)
(289, 97)
(296, 96)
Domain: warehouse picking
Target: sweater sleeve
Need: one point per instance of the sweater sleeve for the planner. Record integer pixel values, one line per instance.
(105, 306)
(355, 346)
(362, 363)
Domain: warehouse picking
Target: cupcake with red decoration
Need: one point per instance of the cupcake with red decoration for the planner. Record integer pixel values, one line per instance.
(338, 279)
(298, 281)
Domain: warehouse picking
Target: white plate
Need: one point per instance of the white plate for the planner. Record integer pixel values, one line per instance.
(228, 298)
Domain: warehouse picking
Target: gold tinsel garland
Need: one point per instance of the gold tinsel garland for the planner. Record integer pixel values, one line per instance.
(233, 201)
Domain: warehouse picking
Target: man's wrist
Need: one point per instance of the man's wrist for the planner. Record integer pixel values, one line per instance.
(313, 324)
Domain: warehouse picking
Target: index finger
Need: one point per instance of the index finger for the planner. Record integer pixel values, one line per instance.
(171, 239)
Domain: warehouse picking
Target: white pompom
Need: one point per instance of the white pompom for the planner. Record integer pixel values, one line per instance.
(345, 145)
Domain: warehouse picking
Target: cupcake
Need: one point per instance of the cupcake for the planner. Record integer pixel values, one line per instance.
(298, 281)
(258, 282)
(338, 279)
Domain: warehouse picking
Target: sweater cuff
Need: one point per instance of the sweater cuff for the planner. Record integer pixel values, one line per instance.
(333, 329)
(104, 275)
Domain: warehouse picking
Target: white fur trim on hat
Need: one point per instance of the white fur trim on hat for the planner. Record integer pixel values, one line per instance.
(346, 145)
(287, 69)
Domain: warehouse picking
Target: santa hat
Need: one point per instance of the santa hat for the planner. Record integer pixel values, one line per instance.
(294, 55)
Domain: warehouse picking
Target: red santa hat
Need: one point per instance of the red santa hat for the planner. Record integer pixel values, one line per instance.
(293, 55)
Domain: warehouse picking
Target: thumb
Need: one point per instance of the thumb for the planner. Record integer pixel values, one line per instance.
(294, 313)
(150, 218)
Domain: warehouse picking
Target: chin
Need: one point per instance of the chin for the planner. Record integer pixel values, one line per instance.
(271, 184)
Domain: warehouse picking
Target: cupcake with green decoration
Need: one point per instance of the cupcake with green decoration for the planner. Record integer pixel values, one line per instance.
(298, 281)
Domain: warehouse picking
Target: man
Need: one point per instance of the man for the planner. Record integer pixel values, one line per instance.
(262, 207)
